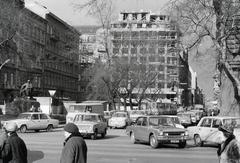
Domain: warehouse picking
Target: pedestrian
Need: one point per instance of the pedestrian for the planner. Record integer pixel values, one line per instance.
(3, 138)
(228, 151)
(75, 148)
(14, 149)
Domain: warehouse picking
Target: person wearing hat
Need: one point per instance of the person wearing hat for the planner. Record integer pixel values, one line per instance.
(75, 148)
(3, 138)
(14, 149)
(228, 151)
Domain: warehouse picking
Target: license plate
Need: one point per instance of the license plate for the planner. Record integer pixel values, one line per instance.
(174, 141)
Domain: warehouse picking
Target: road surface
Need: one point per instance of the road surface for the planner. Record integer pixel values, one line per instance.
(45, 147)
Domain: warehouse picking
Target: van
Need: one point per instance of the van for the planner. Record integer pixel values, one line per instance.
(87, 106)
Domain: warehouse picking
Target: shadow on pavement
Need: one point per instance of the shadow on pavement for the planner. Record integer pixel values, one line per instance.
(34, 156)
(106, 137)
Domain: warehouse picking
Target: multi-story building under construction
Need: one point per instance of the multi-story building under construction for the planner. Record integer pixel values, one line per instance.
(152, 40)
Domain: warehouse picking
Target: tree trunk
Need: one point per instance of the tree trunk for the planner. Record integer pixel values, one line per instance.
(229, 104)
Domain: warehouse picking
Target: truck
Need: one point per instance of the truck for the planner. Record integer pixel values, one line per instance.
(86, 106)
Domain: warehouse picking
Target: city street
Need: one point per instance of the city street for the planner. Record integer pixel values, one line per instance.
(45, 147)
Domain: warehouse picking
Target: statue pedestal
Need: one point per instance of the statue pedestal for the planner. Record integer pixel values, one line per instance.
(20, 105)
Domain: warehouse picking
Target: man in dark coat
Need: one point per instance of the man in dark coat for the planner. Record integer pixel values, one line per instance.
(75, 148)
(228, 151)
(14, 149)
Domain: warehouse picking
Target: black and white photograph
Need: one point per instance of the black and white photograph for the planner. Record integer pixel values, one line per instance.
(119, 81)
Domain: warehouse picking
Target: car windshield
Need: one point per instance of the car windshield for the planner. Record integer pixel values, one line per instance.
(80, 118)
(161, 121)
(176, 120)
(90, 118)
(119, 115)
(24, 116)
(232, 121)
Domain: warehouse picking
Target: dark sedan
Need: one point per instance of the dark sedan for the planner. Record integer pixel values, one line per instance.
(157, 130)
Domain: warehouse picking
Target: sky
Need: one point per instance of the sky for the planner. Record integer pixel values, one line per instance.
(64, 9)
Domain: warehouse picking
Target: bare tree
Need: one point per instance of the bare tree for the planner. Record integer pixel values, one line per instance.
(217, 22)
(103, 11)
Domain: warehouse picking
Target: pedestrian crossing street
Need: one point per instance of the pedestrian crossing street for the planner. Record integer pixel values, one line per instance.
(115, 148)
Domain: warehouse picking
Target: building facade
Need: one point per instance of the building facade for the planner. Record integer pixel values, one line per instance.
(9, 54)
(46, 53)
(152, 40)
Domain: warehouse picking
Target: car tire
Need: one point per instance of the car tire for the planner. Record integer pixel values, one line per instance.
(49, 128)
(23, 129)
(132, 138)
(104, 133)
(153, 141)
(198, 141)
(94, 135)
(182, 144)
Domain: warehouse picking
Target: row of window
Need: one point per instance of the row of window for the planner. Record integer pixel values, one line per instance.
(144, 35)
(61, 66)
(144, 44)
(60, 81)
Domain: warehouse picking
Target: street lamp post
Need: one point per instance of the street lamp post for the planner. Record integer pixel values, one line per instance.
(51, 92)
(5, 62)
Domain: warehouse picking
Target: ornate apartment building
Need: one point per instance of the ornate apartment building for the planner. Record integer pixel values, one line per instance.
(153, 40)
(45, 50)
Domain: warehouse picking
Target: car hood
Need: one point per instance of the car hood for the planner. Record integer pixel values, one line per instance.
(15, 120)
(169, 128)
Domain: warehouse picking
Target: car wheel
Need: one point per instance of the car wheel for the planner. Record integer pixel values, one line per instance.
(104, 134)
(153, 141)
(132, 138)
(182, 144)
(198, 141)
(94, 135)
(23, 129)
(49, 128)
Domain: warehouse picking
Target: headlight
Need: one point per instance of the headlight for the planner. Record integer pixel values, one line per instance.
(185, 133)
(160, 133)
(165, 134)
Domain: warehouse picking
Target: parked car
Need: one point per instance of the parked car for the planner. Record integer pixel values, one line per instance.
(119, 120)
(90, 124)
(33, 121)
(134, 114)
(207, 129)
(157, 130)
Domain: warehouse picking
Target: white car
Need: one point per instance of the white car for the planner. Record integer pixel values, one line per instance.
(90, 124)
(119, 120)
(33, 121)
(134, 114)
(207, 129)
